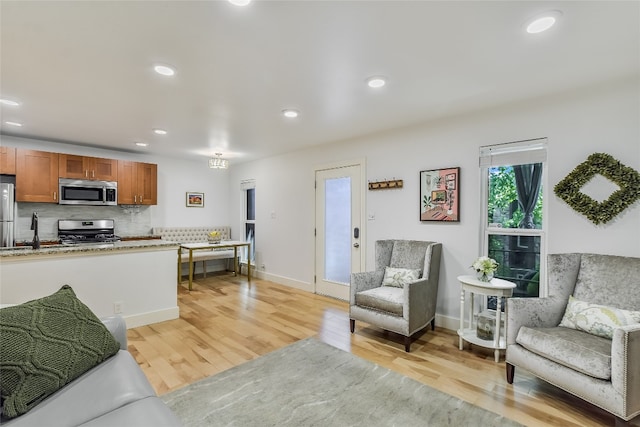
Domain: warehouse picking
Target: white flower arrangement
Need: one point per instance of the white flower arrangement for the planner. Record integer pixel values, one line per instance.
(485, 265)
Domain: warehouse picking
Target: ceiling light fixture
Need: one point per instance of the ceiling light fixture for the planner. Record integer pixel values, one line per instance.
(239, 2)
(164, 70)
(160, 131)
(14, 124)
(218, 162)
(291, 114)
(141, 144)
(376, 82)
(543, 22)
(9, 102)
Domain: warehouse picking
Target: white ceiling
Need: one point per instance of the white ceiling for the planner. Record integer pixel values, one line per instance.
(83, 70)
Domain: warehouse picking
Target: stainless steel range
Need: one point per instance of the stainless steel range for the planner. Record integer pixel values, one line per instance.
(77, 231)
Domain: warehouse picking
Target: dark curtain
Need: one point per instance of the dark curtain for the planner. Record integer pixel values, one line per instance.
(528, 181)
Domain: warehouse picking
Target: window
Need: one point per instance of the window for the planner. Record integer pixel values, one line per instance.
(513, 175)
(249, 217)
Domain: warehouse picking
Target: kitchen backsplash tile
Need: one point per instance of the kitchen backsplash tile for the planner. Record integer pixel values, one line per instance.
(129, 220)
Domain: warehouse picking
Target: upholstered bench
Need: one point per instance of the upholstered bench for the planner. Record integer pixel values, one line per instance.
(194, 235)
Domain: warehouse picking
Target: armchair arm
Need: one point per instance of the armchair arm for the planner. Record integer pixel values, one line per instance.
(364, 281)
(420, 299)
(625, 369)
(118, 328)
(533, 312)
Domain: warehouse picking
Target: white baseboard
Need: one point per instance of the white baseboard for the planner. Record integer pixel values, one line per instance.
(442, 321)
(142, 319)
(447, 322)
(292, 283)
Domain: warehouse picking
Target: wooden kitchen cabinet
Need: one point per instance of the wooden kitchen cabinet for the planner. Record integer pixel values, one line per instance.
(8, 160)
(137, 183)
(36, 176)
(84, 167)
(148, 183)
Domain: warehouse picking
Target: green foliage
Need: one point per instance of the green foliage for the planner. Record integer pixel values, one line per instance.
(503, 193)
(628, 179)
(426, 202)
(533, 288)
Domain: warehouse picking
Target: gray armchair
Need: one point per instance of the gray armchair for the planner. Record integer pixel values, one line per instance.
(404, 310)
(602, 371)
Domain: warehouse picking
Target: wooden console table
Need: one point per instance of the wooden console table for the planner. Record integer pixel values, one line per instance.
(199, 246)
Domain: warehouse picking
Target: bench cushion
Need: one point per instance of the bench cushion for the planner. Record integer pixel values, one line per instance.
(206, 255)
(575, 349)
(195, 235)
(191, 234)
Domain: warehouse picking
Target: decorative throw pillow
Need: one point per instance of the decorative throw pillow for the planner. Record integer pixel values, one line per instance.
(397, 277)
(596, 319)
(45, 344)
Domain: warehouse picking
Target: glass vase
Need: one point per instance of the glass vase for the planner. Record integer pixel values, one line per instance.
(484, 277)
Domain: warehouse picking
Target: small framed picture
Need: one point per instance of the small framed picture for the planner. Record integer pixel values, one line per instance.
(195, 199)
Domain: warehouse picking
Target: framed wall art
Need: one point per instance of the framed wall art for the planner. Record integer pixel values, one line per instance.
(440, 195)
(195, 199)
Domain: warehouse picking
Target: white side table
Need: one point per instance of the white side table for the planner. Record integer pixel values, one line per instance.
(496, 287)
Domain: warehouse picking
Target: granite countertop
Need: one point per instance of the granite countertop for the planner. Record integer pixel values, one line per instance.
(23, 251)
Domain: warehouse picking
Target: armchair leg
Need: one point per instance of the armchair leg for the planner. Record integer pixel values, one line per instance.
(511, 370)
(352, 323)
(407, 344)
(622, 423)
(433, 324)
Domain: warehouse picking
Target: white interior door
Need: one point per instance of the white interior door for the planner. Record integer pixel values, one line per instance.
(339, 242)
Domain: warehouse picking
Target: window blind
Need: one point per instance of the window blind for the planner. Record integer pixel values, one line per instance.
(514, 153)
(247, 184)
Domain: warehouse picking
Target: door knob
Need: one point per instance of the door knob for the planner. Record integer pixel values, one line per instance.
(356, 245)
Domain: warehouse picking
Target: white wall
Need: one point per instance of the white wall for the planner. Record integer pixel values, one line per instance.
(596, 119)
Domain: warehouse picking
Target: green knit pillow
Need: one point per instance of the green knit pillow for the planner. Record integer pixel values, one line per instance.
(45, 344)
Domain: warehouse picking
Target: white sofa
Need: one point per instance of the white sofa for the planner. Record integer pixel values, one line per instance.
(194, 235)
(114, 393)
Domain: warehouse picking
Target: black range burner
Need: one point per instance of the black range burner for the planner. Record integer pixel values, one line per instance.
(73, 232)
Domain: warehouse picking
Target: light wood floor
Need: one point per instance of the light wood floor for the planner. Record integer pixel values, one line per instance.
(226, 321)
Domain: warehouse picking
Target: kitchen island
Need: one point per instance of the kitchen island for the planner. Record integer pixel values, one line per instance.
(133, 278)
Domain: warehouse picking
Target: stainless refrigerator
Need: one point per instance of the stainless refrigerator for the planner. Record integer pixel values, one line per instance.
(7, 214)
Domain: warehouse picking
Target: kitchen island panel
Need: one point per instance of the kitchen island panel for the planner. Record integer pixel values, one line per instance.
(141, 280)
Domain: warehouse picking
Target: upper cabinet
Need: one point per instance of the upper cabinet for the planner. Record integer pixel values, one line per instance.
(36, 176)
(148, 183)
(8, 160)
(137, 183)
(83, 167)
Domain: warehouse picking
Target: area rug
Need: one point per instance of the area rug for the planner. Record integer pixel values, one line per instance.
(310, 383)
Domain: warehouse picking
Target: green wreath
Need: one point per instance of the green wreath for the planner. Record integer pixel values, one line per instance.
(628, 179)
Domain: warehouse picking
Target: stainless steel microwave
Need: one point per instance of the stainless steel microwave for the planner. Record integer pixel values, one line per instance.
(84, 192)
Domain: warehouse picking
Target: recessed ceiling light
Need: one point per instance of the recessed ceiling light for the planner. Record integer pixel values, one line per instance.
(292, 114)
(239, 2)
(165, 70)
(14, 124)
(376, 82)
(543, 22)
(141, 144)
(160, 131)
(9, 102)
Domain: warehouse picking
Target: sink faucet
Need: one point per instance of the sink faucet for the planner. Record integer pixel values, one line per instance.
(34, 227)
